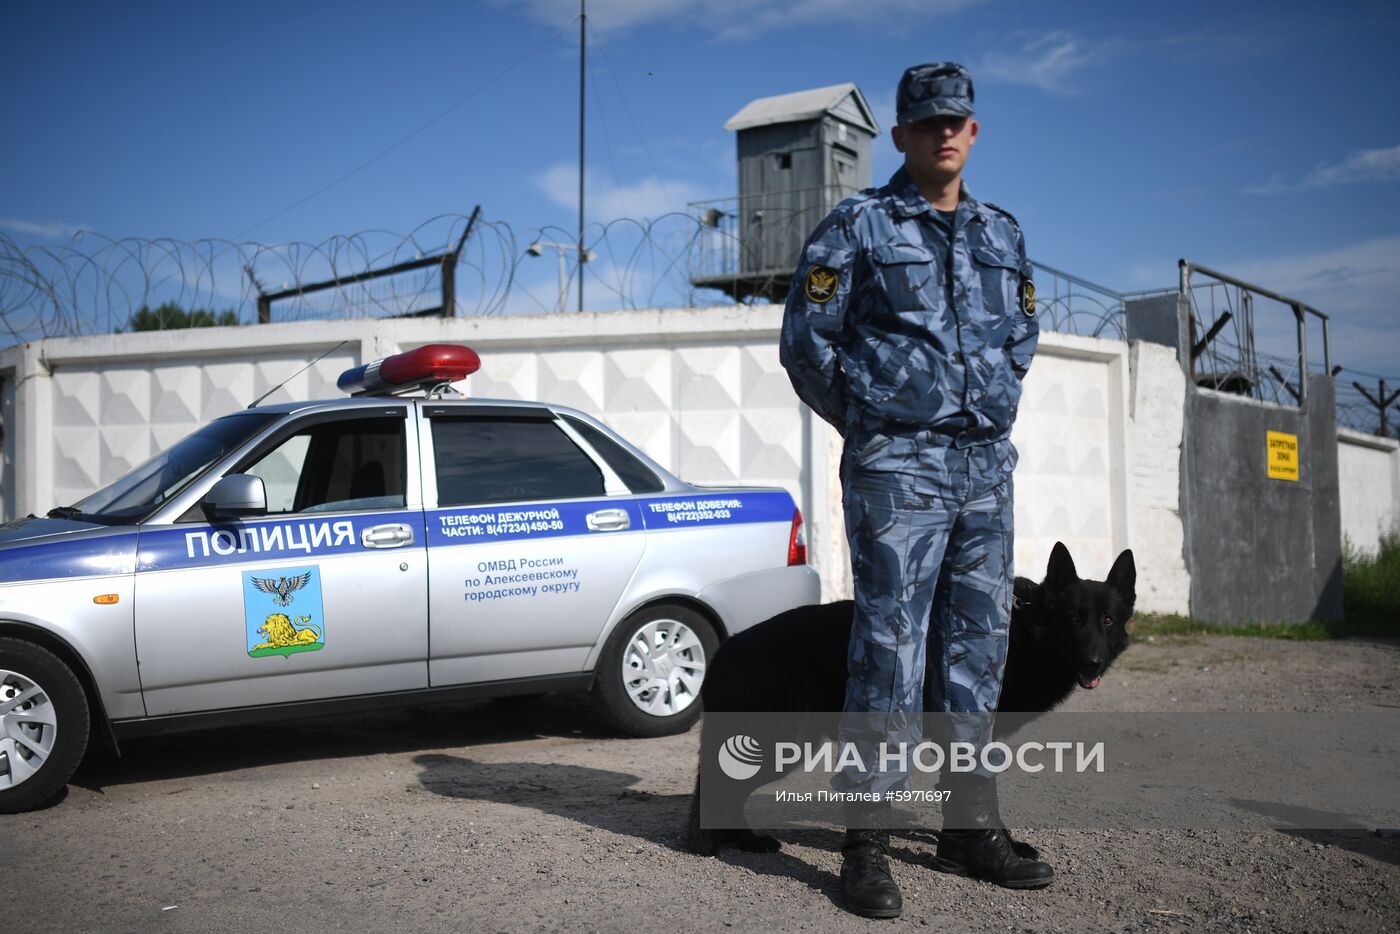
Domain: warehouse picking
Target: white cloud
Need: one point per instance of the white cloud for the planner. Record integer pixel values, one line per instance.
(730, 19)
(1052, 61)
(1365, 165)
(1358, 279)
(648, 197)
(47, 230)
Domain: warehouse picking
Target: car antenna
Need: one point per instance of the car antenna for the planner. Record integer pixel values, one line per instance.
(284, 382)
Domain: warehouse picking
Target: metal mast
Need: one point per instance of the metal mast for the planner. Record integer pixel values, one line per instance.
(582, 53)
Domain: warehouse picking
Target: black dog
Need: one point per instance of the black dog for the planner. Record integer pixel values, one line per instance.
(1064, 631)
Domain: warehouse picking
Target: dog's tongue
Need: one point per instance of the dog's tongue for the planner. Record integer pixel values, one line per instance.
(1088, 684)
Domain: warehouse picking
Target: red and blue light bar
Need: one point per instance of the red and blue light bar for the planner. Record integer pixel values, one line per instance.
(428, 365)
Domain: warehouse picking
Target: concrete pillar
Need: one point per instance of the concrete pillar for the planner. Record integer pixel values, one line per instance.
(33, 475)
(1320, 423)
(1161, 319)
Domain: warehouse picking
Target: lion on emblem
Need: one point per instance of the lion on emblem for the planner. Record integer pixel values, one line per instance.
(281, 633)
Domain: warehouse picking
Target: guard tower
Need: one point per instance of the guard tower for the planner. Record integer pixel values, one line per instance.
(799, 156)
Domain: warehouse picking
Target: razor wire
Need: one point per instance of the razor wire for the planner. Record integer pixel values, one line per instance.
(94, 284)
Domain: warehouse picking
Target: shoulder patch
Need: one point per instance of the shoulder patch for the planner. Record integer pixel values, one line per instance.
(1028, 296)
(821, 283)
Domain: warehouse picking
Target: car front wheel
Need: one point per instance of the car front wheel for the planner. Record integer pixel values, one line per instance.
(43, 725)
(649, 675)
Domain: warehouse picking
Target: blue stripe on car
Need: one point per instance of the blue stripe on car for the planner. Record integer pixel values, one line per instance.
(199, 545)
(102, 556)
(206, 546)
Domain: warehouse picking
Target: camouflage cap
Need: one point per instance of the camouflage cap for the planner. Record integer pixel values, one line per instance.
(935, 89)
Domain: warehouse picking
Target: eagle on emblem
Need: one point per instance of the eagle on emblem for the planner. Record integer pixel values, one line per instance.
(282, 588)
(821, 284)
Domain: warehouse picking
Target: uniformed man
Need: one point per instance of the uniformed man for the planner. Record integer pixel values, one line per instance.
(909, 327)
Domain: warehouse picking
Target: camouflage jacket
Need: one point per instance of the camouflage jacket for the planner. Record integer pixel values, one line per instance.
(895, 326)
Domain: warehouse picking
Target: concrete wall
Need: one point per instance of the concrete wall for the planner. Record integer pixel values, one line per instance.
(1369, 468)
(700, 390)
(1117, 449)
(1261, 548)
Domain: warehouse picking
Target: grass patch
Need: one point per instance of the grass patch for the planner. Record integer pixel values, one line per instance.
(1171, 625)
(1371, 587)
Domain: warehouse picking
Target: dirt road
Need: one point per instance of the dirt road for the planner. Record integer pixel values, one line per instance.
(493, 816)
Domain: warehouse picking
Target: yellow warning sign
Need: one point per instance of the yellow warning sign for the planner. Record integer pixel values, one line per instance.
(1283, 456)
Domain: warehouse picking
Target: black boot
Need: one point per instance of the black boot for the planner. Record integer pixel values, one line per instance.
(1020, 847)
(866, 882)
(973, 842)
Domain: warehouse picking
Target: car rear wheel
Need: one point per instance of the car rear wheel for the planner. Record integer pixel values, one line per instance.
(649, 675)
(43, 725)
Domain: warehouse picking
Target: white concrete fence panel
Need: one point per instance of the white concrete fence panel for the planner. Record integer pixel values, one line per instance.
(700, 390)
(1369, 475)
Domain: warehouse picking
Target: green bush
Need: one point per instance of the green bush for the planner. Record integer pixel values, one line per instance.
(170, 316)
(1371, 587)
(1370, 590)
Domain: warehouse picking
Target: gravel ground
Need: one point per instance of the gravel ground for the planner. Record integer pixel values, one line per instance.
(504, 817)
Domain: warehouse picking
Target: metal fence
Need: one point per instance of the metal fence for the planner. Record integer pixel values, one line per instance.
(1250, 340)
(754, 241)
(1071, 305)
(1225, 337)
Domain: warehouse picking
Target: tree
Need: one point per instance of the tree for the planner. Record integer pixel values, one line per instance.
(169, 316)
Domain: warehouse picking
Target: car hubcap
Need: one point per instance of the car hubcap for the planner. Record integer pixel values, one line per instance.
(28, 727)
(663, 667)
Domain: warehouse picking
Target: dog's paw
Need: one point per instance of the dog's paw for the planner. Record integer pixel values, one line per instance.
(751, 842)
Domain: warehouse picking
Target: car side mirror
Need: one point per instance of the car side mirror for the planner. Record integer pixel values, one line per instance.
(237, 496)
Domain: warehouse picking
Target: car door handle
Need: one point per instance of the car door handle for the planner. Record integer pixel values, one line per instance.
(609, 520)
(394, 535)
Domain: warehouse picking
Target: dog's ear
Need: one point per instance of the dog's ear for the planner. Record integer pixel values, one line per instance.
(1123, 576)
(1061, 567)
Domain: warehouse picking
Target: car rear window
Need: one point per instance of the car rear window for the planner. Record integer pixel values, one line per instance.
(502, 459)
(638, 476)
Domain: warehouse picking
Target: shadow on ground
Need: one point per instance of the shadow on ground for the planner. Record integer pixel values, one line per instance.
(402, 729)
(1344, 830)
(607, 800)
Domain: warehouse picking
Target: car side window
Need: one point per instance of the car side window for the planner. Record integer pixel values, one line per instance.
(638, 476)
(502, 459)
(337, 466)
(280, 471)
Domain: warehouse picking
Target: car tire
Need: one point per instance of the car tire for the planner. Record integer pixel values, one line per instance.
(648, 678)
(44, 735)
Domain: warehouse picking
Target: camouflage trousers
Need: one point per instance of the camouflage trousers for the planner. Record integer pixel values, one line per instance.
(931, 537)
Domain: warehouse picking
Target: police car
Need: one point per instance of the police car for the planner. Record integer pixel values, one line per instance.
(401, 545)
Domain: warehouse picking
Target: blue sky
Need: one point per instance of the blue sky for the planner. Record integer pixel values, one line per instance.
(1262, 139)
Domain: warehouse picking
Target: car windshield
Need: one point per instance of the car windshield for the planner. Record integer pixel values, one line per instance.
(140, 491)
